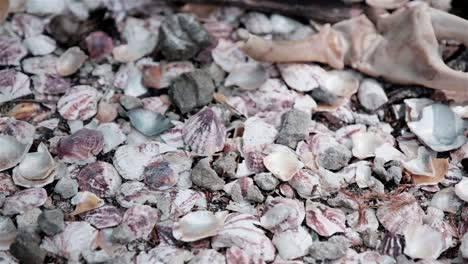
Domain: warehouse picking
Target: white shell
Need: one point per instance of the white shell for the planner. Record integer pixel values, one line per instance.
(397, 218)
(36, 170)
(417, 239)
(439, 128)
(11, 152)
(164, 254)
(13, 84)
(198, 225)
(371, 94)
(447, 200)
(342, 83)
(40, 45)
(79, 103)
(365, 144)
(205, 132)
(283, 164)
(227, 55)
(325, 220)
(113, 136)
(292, 244)
(258, 133)
(422, 164)
(461, 189)
(70, 61)
(247, 76)
(303, 77)
(140, 41)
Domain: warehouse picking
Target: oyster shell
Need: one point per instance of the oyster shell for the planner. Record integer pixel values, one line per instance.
(283, 164)
(100, 178)
(198, 225)
(81, 146)
(24, 200)
(205, 133)
(440, 128)
(79, 103)
(13, 84)
(325, 220)
(36, 170)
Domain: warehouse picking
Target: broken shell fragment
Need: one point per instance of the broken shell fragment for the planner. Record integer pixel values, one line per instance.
(36, 170)
(81, 146)
(148, 122)
(70, 61)
(50, 84)
(387, 4)
(11, 51)
(104, 217)
(198, 225)
(100, 178)
(292, 244)
(400, 213)
(24, 200)
(283, 164)
(417, 239)
(160, 175)
(282, 214)
(365, 144)
(13, 84)
(11, 152)
(439, 128)
(208, 256)
(205, 132)
(325, 220)
(79, 103)
(137, 222)
(303, 77)
(461, 189)
(228, 55)
(247, 76)
(85, 201)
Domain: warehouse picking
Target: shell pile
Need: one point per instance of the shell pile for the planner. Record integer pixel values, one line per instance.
(138, 132)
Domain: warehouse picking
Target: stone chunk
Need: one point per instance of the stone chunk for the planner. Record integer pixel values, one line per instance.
(294, 128)
(181, 37)
(51, 222)
(266, 181)
(26, 248)
(204, 176)
(191, 90)
(327, 250)
(334, 158)
(226, 165)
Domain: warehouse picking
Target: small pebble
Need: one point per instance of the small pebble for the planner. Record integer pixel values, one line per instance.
(204, 176)
(334, 158)
(26, 248)
(106, 112)
(226, 165)
(371, 94)
(28, 220)
(266, 181)
(327, 250)
(70, 61)
(51, 222)
(294, 128)
(66, 187)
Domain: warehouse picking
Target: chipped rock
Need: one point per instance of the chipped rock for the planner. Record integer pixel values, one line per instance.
(66, 187)
(51, 222)
(294, 128)
(7, 232)
(292, 244)
(26, 248)
(191, 90)
(334, 157)
(181, 37)
(328, 250)
(28, 220)
(204, 176)
(371, 94)
(243, 189)
(226, 165)
(266, 181)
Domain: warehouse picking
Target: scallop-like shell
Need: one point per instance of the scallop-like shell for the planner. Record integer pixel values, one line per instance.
(81, 146)
(7, 233)
(365, 144)
(13, 84)
(325, 220)
(283, 164)
(401, 213)
(104, 217)
(198, 225)
(303, 77)
(11, 51)
(24, 200)
(100, 178)
(440, 128)
(178, 202)
(160, 175)
(76, 239)
(36, 170)
(282, 214)
(137, 222)
(148, 122)
(293, 243)
(99, 45)
(130, 160)
(79, 103)
(391, 245)
(85, 201)
(205, 133)
(51, 84)
(70, 61)
(240, 231)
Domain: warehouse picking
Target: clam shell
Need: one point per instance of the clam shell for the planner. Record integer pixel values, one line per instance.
(51, 84)
(282, 214)
(130, 160)
(439, 128)
(198, 225)
(76, 239)
(283, 164)
(70, 61)
(104, 217)
(325, 220)
(402, 213)
(24, 200)
(138, 222)
(205, 133)
(100, 178)
(239, 231)
(160, 175)
(13, 84)
(303, 77)
(11, 51)
(81, 146)
(148, 122)
(36, 170)
(85, 201)
(79, 103)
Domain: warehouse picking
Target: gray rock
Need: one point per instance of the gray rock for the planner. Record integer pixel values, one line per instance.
(294, 128)
(191, 90)
(26, 248)
(204, 176)
(122, 234)
(181, 37)
(28, 220)
(66, 187)
(327, 250)
(51, 222)
(7, 228)
(321, 95)
(130, 102)
(387, 172)
(371, 94)
(334, 158)
(266, 181)
(371, 239)
(226, 165)
(464, 246)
